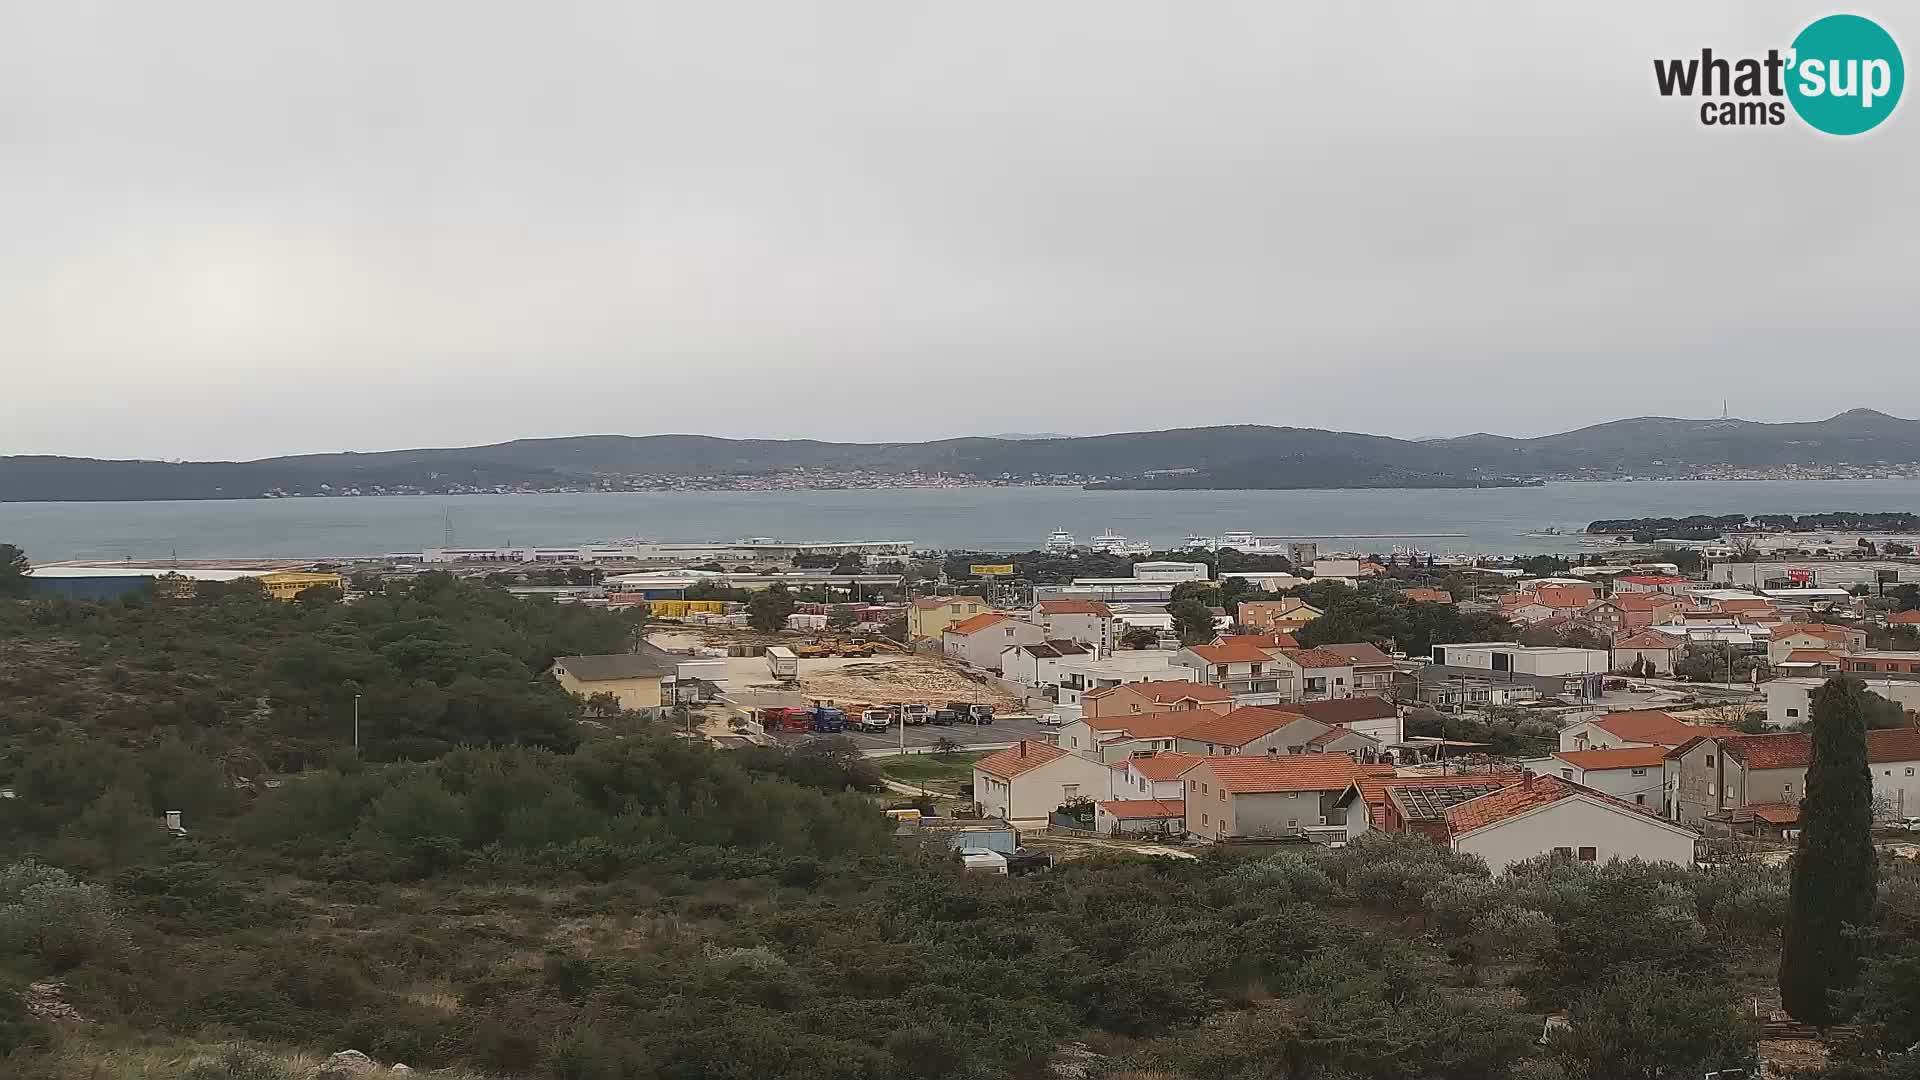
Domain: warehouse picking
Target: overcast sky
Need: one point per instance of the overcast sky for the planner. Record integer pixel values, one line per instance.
(241, 229)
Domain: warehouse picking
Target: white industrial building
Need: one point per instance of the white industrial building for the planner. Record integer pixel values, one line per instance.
(1523, 659)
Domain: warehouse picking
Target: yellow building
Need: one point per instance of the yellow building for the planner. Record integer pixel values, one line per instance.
(289, 584)
(930, 616)
(634, 679)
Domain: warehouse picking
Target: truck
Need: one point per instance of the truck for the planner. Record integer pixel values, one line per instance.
(781, 663)
(829, 721)
(915, 714)
(876, 720)
(943, 717)
(968, 712)
(777, 719)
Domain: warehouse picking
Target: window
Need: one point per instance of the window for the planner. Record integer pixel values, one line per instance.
(1203, 819)
(1709, 761)
(1563, 853)
(1223, 794)
(1203, 789)
(1069, 791)
(1588, 854)
(1909, 770)
(1293, 823)
(1640, 799)
(1639, 772)
(1790, 712)
(1566, 774)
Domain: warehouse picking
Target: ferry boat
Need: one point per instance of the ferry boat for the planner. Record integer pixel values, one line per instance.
(1060, 541)
(1112, 543)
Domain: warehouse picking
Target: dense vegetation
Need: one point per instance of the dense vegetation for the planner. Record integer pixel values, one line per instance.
(487, 889)
(1378, 613)
(1709, 526)
(269, 686)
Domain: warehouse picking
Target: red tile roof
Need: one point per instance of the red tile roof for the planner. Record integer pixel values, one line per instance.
(1820, 630)
(1137, 809)
(1794, 749)
(1812, 656)
(1654, 579)
(1893, 744)
(1254, 775)
(1075, 607)
(1776, 813)
(1654, 727)
(1166, 691)
(1340, 710)
(1275, 640)
(1022, 757)
(1641, 601)
(1165, 765)
(1362, 653)
(1903, 618)
(1427, 596)
(1626, 757)
(1530, 794)
(1158, 725)
(1789, 750)
(977, 623)
(1230, 654)
(1239, 727)
(1318, 658)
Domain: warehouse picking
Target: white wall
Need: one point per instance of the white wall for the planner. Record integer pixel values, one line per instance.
(1036, 792)
(1898, 782)
(1576, 823)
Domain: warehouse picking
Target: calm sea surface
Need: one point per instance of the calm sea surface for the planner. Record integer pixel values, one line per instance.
(1493, 520)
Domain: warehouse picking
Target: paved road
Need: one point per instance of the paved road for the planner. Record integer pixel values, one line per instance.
(921, 738)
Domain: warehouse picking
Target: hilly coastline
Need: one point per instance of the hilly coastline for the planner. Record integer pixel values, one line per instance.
(1205, 458)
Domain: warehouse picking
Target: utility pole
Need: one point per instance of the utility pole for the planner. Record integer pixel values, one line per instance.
(356, 724)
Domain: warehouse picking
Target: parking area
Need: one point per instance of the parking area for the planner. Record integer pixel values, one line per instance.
(1002, 732)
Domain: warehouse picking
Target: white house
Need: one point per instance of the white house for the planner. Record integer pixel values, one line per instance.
(1140, 817)
(1548, 815)
(1633, 774)
(1150, 776)
(1089, 622)
(1039, 665)
(1647, 727)
(1029, 780)
(1790, 701)
(979, 641)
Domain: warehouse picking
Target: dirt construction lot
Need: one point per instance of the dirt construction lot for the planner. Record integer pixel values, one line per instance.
(881, 680)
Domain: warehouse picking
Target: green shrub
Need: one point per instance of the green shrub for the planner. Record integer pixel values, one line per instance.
(57, 921)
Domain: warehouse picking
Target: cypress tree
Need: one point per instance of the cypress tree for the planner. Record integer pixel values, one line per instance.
(1833, 865)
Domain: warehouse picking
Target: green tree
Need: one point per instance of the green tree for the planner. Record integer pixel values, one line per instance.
(1139, 637)
(1834, 870)
(768, 609)
(1648, 1023)
(840, 617)
(14, 571)
(1192, 621)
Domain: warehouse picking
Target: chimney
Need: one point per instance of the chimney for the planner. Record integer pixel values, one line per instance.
(1526, 779)
(1023, 748)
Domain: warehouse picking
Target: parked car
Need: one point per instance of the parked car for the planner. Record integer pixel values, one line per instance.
(1911, 824)
(1048, 719)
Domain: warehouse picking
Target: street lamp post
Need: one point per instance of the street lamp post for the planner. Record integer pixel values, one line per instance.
(356, 723)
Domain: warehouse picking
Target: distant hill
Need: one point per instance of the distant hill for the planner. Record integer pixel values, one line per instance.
(1241, 456)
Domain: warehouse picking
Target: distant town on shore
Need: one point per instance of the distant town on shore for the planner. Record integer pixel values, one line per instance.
(1857, 444)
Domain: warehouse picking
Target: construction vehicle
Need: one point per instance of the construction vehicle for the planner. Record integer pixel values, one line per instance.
(876, 721)
(828, 720)
(857, 649)
(813, 650)
(916, 714)
(943, 717)
(778, 719)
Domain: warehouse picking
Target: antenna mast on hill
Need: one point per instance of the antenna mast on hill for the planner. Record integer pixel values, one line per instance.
(449, 541)
(1723, 409)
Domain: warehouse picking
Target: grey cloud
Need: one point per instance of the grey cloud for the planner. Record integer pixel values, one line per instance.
(237, 229)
